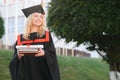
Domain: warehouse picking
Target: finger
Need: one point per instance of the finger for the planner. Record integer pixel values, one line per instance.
(37, 55)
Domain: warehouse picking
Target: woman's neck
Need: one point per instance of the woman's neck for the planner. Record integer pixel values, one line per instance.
(34, 29)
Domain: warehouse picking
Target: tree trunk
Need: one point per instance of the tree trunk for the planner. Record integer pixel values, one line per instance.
(114, 75)
(115, 71)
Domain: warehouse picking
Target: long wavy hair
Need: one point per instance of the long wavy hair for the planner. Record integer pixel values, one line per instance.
(28, 26)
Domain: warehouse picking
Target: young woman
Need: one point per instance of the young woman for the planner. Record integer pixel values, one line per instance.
(42, 65)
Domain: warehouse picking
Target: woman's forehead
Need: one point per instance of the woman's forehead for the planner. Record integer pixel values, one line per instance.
(36, 13)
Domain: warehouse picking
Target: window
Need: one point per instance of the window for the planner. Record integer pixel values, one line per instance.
(21, 22)
(11, 24)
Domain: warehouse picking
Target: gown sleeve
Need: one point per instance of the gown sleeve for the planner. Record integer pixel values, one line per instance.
(15, 66)
(51, 58)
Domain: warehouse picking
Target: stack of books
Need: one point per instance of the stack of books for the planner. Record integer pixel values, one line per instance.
(31, 49)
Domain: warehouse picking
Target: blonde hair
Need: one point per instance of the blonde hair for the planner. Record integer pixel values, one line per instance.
(28, 26)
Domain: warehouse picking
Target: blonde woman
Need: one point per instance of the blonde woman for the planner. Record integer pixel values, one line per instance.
(42, 65)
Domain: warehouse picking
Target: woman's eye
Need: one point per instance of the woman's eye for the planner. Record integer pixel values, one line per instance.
(35, 16)
(41, 17)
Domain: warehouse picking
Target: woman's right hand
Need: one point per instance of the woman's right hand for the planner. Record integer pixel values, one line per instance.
(20, 55)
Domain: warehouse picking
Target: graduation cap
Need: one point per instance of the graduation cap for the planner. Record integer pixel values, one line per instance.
(33, 9)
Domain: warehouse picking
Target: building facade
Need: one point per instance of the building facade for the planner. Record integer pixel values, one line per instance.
(14, 19)
(14, 22)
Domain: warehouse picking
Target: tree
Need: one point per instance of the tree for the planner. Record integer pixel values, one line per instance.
(1, 27)
(95, 23)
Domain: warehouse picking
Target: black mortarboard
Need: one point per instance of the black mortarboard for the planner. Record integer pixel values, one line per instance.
(32, 9)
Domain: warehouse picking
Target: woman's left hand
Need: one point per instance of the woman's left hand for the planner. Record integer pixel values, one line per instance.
(40, 53)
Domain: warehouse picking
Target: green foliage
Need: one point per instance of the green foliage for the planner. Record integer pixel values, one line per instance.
(1, 27)
(93, 22)
(71, 68)
(81, 20)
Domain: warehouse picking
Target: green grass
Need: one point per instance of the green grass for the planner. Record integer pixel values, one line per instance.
(71, 68)
(77, 68)
(5, 57)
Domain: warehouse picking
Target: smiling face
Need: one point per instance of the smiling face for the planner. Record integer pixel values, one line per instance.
(35, 23)
(37, 19)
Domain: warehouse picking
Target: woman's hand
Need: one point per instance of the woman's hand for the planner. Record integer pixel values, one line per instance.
(20, 55)
(40, 53)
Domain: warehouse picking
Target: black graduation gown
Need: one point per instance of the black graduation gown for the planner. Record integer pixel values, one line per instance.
(36, 68)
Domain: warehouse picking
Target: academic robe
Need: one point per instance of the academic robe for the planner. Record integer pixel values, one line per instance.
(36, 68)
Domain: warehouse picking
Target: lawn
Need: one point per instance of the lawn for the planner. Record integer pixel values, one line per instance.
(71, 68)
(77, 68)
